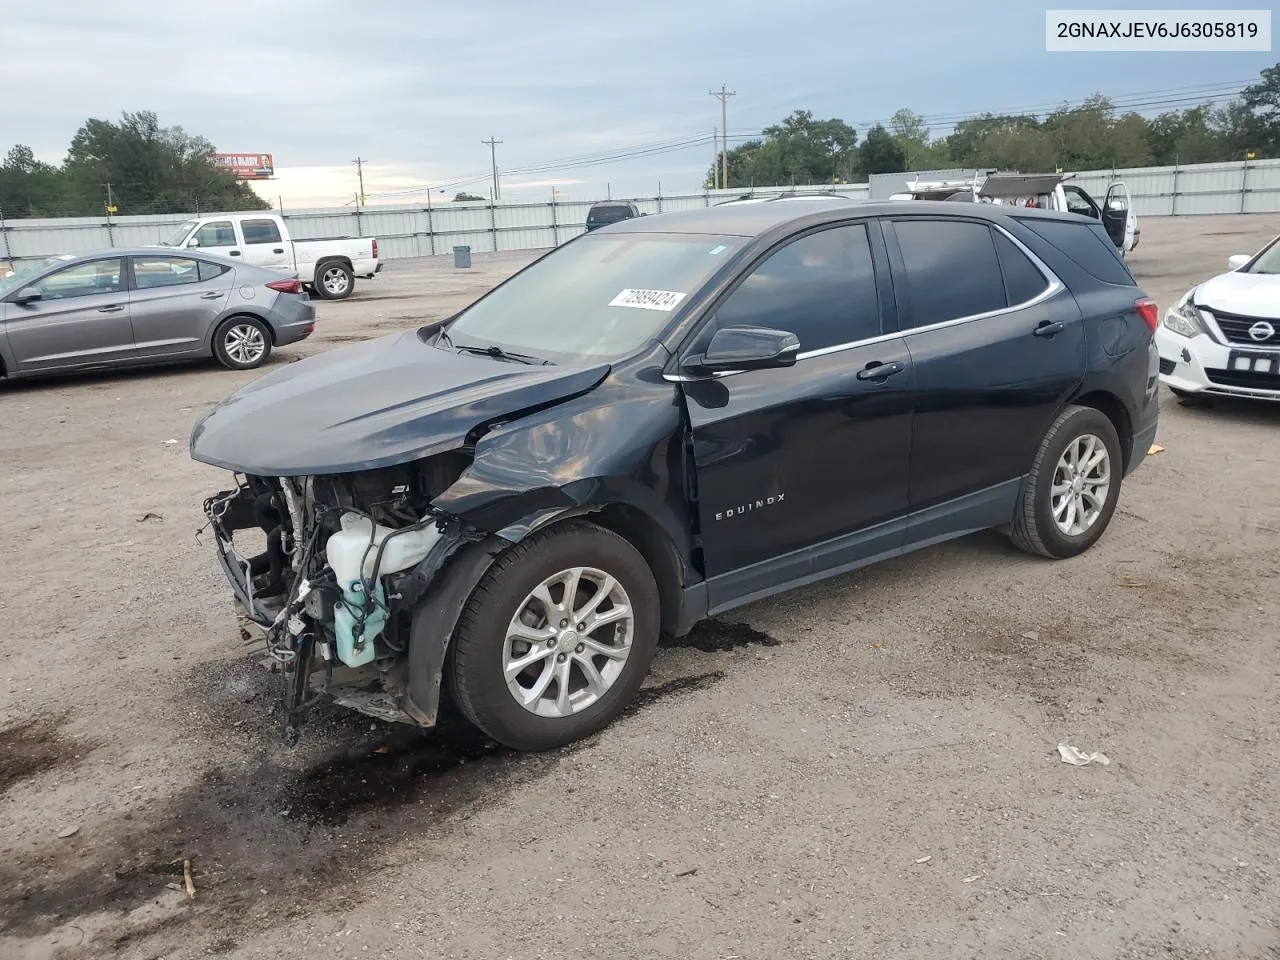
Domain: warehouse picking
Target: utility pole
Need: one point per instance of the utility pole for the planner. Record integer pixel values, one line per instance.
(715, 158)
(723, 95)
(360, 162)
(492, 144)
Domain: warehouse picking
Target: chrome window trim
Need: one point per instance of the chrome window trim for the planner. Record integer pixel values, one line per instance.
(1055, 287)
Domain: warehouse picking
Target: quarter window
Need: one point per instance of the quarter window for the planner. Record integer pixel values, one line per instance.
(210, 270)
(260, 231)
(952, 269)
(821, 287)
(152, 272)
(82, 280)
(1023, 281)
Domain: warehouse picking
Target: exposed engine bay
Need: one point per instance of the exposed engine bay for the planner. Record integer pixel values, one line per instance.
(328, 594)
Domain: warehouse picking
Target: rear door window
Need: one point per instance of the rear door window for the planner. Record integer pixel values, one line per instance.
(260, 231)
(952, 270)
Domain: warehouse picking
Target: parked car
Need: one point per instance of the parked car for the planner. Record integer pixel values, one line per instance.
(612, 211)
(115, 308)
(327, 268)
(663, 421)
(1045, 191)
(1222, 338)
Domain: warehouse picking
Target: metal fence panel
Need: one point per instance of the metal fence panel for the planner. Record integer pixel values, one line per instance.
(412, 230)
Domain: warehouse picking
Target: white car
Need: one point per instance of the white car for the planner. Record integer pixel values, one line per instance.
(1223, 337)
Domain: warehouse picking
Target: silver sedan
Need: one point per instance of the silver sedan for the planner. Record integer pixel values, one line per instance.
(116, 308)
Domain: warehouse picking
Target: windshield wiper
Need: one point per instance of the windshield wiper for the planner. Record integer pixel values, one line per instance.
(493, 350)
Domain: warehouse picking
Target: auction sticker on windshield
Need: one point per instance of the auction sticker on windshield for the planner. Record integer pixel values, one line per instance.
(664, 300)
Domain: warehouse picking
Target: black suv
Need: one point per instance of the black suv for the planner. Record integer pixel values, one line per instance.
(660, 422)
(612, 211)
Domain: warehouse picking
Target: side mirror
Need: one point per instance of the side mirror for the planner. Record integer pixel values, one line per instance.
(28, 295)
(193, 242)
(748, 348)
(1238, 261)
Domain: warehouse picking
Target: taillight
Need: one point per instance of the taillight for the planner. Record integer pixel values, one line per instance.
(1149, 312)
(286, 286)
(375, 249)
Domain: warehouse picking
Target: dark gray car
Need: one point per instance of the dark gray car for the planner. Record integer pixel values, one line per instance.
(121, 307)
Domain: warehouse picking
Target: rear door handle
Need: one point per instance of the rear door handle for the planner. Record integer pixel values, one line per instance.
(879, 372)
(234, 253)
(113, 308)
(211, 295)
(278, 250)
(1048, 329)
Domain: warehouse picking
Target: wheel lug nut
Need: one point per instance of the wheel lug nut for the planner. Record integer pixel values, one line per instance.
(551, 642)
(561, 657)
(563, 624)
(582, 628)
(579, 648)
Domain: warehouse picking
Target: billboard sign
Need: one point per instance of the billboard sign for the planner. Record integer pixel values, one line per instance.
(247, 166)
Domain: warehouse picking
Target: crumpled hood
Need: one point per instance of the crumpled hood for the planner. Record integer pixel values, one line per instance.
(1246, 294)
(371, 405)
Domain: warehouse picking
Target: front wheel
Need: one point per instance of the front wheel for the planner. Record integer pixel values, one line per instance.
(1070, 494)
(556, 639)
(242, 343)
(334, 281)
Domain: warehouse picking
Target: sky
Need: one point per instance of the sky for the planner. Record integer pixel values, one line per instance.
(414, 87)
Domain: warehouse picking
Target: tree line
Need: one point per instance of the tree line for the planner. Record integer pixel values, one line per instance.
(131, 167)
(1094, 135)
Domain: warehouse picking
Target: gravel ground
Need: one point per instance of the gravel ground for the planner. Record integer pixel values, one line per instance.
(863, 768)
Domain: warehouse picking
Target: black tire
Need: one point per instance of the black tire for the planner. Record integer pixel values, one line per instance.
(1034, 529)
(334, 280)
(237, 329)
(476, 676)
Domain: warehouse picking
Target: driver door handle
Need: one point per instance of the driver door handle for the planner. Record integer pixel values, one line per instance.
(234, 253)
(278, 250)
(879, 372)
(112, 308)
(1048, 329)
(211, 295)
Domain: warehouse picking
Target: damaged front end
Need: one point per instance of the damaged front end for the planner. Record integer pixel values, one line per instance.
(327, 571)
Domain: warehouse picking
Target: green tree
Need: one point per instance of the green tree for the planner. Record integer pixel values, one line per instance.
(881, 153)
(28, 187)
(1262, 101)
(464, 197)
(150, 169)
(912, 134)
(799, 150)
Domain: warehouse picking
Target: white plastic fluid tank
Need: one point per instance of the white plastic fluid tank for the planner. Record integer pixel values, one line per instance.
(350, 545)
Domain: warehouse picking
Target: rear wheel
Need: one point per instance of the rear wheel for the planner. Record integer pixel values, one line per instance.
(334, 281)
(242, 343)
(556, 639)
(1070, 494)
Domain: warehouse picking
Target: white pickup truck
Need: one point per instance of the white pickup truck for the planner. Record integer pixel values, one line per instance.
(327, 268)
(1048, 191)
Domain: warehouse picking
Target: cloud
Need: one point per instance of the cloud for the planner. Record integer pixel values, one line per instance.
(414, 87)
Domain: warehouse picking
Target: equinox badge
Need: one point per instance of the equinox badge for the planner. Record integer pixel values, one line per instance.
(748, 507)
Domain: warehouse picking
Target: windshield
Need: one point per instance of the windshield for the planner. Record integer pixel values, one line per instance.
(23, 271)
(175, 239)
(1268, 261)
(599, 297)
(609, 214)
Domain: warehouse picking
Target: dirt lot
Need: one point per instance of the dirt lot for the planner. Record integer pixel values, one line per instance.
(866, 768)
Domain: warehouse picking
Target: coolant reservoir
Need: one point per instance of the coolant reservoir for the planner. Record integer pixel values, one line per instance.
(352, 558)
